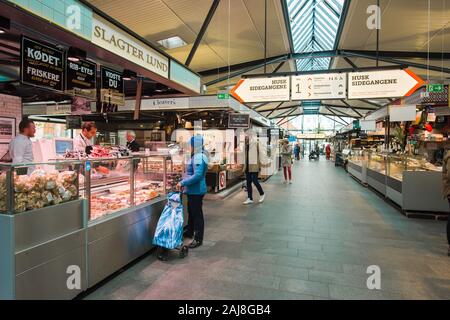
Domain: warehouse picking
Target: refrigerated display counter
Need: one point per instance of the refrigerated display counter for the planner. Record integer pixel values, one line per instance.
(376, 171)
(79, 218)
(415, 184)
(357, 165)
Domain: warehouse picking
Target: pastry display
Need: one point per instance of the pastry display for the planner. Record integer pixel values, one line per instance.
(40, 189)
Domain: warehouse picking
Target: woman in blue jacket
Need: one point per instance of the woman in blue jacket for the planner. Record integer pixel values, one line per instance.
(194, 185)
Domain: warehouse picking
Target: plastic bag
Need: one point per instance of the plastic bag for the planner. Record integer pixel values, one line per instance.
(169, 231)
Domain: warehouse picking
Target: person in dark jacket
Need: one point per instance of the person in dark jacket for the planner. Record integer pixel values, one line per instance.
(131, 142)
(194, 186)
(446, 189)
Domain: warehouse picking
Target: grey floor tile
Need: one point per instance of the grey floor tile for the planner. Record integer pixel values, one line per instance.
(310, 240)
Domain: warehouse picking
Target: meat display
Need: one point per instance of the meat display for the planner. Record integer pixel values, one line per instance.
(102, 205)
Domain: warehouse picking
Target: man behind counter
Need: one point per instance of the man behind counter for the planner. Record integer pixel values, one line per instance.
(21, 147)
(83, 141)
(131, 141)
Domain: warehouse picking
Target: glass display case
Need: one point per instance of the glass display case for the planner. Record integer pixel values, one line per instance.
(414, 183)
(357, 165)
(118, 184)
(377, 162)
(376, 171)
(28, 187)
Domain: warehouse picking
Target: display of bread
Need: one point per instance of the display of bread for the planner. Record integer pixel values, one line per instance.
(40, 189)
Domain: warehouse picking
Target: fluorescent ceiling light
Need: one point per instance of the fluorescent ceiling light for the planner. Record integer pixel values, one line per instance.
(172, 42)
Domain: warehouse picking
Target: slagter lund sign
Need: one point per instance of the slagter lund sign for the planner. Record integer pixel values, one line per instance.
(111, 38)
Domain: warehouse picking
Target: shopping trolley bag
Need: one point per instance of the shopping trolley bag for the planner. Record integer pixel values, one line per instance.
(169, 231)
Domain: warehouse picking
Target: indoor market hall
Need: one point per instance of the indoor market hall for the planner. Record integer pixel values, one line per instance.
(313, 239)
(224, 152)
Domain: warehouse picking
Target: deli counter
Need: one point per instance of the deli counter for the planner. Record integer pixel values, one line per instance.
(67, 225)
(411, 182)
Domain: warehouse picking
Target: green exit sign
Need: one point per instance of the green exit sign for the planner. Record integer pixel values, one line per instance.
(223, 96)
(435, 88)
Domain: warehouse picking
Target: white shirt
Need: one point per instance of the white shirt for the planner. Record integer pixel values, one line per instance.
(21, 150)
(80, 142)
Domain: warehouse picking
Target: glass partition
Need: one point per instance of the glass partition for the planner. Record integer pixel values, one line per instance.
(35, 186)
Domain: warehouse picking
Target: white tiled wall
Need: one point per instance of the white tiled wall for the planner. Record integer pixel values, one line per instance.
(10, 106)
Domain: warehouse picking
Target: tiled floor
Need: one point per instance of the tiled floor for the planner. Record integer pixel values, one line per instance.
(313, 239)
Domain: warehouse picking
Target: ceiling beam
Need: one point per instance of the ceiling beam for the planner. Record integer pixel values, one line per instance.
(283, 114)
(328, 116)
(343, 70)
(336, 53)
(345, 107)
(371, 103)
(344, 114)
(346, 123)
(340, 29)
(286, 116)
(404, 54)
(275, 109)
(353, 109)
(287, 23)
(288, 120)
(260, 105)
(248, 69)
(239, 66)
(350, 62)
(203, 29)
(279, 66)
(395, 61)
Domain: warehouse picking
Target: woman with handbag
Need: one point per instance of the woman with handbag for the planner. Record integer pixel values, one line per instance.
(286, 160)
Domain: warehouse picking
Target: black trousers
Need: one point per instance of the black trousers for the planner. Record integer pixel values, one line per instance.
(252, 177)
(196, 223)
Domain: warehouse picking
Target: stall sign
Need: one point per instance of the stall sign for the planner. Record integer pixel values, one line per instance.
(81, 79)
(262, 90)
(112, 89)
(73, 122)
(113, 39)
(42, 65)
(319, 86)
(222, 180)
(368, 125)
(402, 113)
(238, 121)
(383, 84)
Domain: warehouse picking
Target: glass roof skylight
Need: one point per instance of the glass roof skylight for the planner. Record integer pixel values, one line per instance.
(314, 26)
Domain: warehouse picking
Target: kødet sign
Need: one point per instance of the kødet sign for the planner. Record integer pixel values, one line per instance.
(42, 65)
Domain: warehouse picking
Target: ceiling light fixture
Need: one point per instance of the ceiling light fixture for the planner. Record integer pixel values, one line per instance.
(75, 54)
(5, 24)
(172, 42)
(128, 75)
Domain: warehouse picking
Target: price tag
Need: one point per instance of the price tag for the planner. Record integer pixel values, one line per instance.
(88, 166)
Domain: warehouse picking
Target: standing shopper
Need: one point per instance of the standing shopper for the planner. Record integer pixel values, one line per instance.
(446, 188)
(195, 188)
(297, 151)
(286, 160)
(328, 151)
(252, 167)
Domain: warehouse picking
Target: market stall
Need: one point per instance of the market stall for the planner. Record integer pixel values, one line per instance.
(85, 210)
